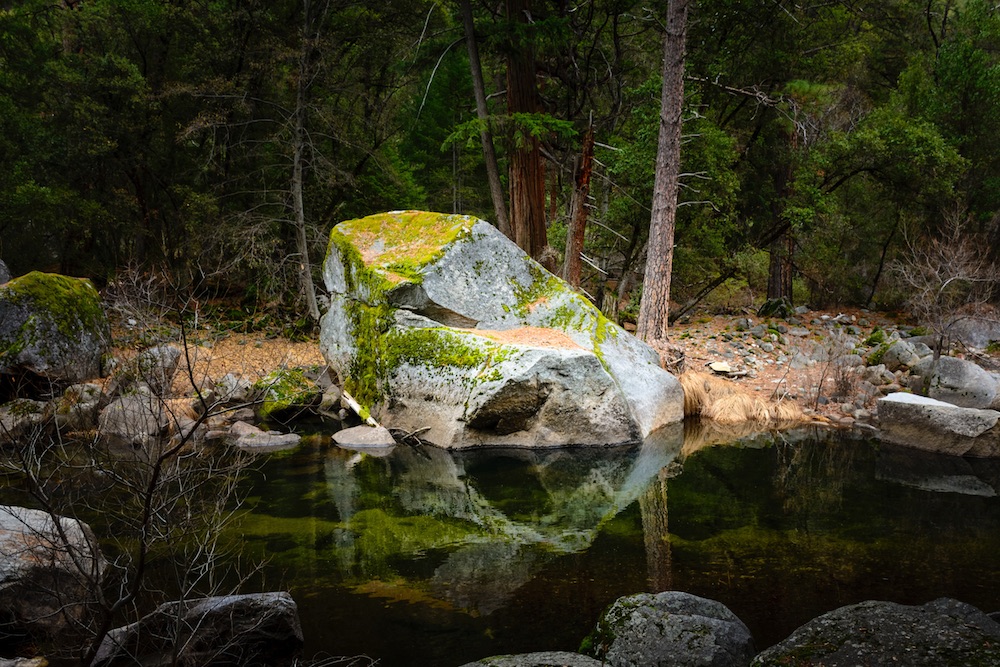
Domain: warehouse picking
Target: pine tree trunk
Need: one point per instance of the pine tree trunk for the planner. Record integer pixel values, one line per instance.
(654, 308)
(306, 285)
(527, 171)
(483, 114)
(578, 220)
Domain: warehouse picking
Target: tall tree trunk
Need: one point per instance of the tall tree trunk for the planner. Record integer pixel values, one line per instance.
(306, 286)
(527, 171)
(578, 219)
(654, 308)
(483, 114)
(779, 279)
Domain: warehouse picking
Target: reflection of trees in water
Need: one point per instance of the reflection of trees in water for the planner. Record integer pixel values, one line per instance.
(810, 479)
(656, 535)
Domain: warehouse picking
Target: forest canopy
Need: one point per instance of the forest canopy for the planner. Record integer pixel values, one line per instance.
(217, 143)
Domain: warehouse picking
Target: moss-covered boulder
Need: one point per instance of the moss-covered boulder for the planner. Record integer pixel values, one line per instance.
(52, 326)
(439, 322)
(941, 633)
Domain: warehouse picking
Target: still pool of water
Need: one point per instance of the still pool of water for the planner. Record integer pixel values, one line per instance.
(432, 557)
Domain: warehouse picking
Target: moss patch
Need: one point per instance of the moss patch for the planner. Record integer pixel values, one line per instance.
(401, 243)
(51, 303)
(73, 303)
(284, 389)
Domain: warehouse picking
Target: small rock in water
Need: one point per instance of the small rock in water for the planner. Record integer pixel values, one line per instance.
(364, 436)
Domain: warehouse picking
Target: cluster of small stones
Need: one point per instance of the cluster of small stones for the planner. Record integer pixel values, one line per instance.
(137, 406)
(835, 349)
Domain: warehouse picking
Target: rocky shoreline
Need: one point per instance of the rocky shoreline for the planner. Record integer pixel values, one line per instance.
(834, 365)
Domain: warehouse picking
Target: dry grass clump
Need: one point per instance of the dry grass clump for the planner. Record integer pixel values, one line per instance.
(719, 400)
(703, 389)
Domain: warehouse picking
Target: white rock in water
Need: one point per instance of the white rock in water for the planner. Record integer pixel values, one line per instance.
(364, 436)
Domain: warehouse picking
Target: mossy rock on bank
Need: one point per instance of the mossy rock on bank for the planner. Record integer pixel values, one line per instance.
(439, 321)
(284, 391)
(52, 326)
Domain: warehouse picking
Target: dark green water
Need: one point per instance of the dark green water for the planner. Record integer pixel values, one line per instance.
(429, 557)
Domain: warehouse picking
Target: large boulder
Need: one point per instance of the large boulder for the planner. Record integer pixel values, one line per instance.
(46, 571)
(939, 633)
(52, 326)
(936, 426)
(256, 629)
(957, 381)
(439, 322)
(671, 628)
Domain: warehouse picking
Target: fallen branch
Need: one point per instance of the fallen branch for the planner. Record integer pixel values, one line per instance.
(358, 410)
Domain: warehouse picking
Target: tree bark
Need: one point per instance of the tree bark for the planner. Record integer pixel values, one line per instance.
(306, 285)
(654, 308)
(483, 114)
(527, 171)
(779, 278)
(573, 265)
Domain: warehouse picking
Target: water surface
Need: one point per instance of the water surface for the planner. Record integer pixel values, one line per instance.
(431, 557)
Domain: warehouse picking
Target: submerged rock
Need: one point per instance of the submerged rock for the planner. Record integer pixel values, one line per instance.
(670, 628)
(942, 632)
(52, 326)
(440, 322)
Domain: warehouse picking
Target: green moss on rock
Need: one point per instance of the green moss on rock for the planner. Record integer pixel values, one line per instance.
(284, 389)
(52, 324)
(401, 243)
(73, 303)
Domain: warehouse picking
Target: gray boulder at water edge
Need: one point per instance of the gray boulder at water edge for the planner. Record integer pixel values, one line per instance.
(942, 633)
(439, 322)
(45, 571)
(670, 629)
(52, 326)
(957, 381)
(936, 426)
(4, 273)
(255, 629)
